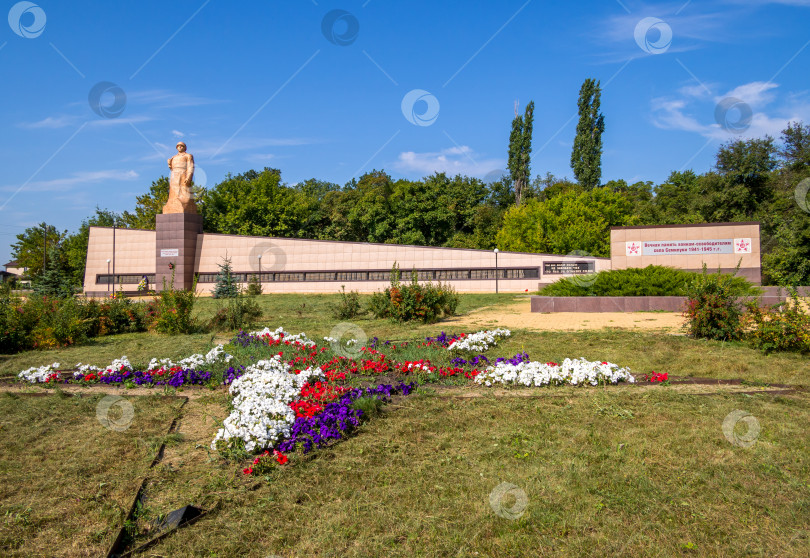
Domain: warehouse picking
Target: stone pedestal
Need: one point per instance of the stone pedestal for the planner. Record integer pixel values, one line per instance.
(176, 244)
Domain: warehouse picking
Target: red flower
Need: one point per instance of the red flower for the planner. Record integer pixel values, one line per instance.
(280, 457)
(248, 470)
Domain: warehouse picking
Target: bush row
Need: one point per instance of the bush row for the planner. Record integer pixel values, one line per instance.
(653, 280)
(44, 322)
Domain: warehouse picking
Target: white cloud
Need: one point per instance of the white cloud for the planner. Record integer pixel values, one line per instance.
(697, 91)
(454, 160)
(209, 148)
(168, 99)
(755, 93)
(669, 114)
(76, 179)
(120, 121)
(52, 122)
(690, 114)
(177, 133)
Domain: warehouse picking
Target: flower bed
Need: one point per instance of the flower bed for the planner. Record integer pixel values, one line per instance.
(288, 394)
(261, 413)
(193, 370)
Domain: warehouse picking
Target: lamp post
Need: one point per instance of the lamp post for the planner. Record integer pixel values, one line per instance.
(496, 271)
(260, 268)
(108, 274)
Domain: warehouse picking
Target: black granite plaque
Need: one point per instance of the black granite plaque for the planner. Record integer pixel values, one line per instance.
(568, 268)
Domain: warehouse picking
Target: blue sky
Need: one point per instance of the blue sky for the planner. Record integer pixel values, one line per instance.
(319, 93)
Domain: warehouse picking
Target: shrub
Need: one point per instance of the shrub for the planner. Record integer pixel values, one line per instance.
(42, 322)
(237, 313)
(783, 327)
(254, 287)
(171, 309)
(13, 331)
(653, 280)
(348, 306)
(411, 302)
(114, 315)
(713, 308)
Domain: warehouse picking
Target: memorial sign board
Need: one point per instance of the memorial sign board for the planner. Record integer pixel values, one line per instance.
(688, 247)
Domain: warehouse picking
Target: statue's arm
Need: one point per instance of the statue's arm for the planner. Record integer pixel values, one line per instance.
(190, 168)
(170, 162)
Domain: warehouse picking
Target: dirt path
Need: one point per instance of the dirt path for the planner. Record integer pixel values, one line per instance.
(518, 315)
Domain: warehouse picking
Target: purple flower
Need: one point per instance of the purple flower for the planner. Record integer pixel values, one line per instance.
(336, 419)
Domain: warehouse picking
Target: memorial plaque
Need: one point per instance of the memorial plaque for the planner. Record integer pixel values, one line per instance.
(685, 247)
(169, 253)
(568, 268)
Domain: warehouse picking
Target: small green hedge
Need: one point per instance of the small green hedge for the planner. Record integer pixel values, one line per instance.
(653, 280)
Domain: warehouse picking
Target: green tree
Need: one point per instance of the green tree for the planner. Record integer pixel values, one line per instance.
(546, 187)
(75, 244)
(255, 203)
(148, 205)
(745, 166)
(795, 149)
(570, 221)
(520, 151)
(586, 156)
(362, 212)
(226, 286)
(678, 200)
(54, 281)
(33, 248)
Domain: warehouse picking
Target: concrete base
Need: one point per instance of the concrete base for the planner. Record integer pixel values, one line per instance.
(770, 296)
(176, 245)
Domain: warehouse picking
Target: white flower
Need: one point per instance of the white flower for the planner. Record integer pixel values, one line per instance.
(574, 372)
(193, 362)
(280, 333)
(39, 375)
(480, 341)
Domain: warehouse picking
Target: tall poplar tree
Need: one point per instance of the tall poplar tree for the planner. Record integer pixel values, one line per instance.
(586, 157)
(520, 150)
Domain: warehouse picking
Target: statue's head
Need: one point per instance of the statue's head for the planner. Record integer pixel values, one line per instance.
(181, 147)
